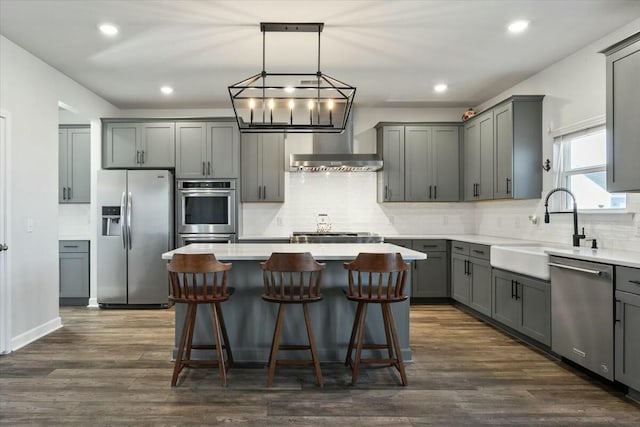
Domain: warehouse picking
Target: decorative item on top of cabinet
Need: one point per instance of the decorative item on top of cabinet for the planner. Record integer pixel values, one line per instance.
(623, 104)
(503, 151)
(262, 163)
(131, 144)
(471, 275)
(74, 272)
(421, 162)
(74, 167)
(627, 326)
(207, 150)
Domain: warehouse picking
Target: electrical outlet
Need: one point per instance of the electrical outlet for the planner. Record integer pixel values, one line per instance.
(29, 225)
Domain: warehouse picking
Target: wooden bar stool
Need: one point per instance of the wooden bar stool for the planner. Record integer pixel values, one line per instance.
(292, 278)
(377, 278)
(200, 279)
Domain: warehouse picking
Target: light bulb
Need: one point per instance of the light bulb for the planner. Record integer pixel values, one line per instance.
(252, 103)
(272, 104)
(330, 104)
(291, 104)
(310, 104)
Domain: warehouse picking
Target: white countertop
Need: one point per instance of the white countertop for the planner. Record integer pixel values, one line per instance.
(605, 256)
(469, 238)
(320, 251)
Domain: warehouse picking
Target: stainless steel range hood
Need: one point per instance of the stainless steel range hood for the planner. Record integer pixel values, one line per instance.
(334, 153)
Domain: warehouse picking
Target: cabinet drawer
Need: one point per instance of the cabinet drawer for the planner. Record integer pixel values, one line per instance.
(430, 245)
(479, 251)
(628, 279)
(73, 246)
(461, 248)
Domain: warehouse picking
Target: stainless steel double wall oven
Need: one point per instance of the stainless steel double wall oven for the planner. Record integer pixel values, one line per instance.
(206, 211)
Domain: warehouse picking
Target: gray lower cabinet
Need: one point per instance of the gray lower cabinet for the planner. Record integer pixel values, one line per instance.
(207, 150)
(522, 303)
(471, 276)
(262, 167)
(74, 168)
(627, 327)
(74, 272)
(138, 144)
(431, 276)
(623, 127)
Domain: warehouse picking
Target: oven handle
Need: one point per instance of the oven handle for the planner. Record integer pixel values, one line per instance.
(205, 192)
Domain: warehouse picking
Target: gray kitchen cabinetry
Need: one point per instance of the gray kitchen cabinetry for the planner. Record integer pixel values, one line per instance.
(74, 272)
(74, 168)
(421, 163)
(523, 304)
(262, 163)
(207, 150)
(431, 276)
(471, 276)
(503, 151)
(627, 327)
(138, 145)
(623, 103)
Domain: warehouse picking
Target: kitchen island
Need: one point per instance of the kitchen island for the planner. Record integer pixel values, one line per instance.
(250, 321)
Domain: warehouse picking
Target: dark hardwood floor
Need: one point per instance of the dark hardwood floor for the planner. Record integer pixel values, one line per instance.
(113, 367)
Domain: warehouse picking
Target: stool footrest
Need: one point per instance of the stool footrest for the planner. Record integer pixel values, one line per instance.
(380, 361)
(294, 362)
(294, 347)
(374, 346)
(200, 362)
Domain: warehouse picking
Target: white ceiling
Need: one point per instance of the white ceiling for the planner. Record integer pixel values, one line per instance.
(392, 51)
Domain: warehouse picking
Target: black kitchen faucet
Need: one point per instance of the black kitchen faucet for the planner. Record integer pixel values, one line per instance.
(576, 237)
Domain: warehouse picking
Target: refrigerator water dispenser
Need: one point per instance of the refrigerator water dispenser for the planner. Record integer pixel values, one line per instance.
(111, 224)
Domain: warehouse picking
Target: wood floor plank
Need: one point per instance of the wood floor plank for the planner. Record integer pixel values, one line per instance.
(113, 367)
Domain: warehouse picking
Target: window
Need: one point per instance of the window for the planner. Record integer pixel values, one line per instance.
(582, 168)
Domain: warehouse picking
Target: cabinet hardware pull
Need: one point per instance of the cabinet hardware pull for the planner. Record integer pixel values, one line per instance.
(478, 252)
(635, 282)
(435, 192)
(516, 283)
(508, 189)
(386, 192)
(390, 193)
(142, 157)
(429, 246)
(430, 192)
(70, 246)
(467, 267)
(69, 193)
(512, 290)
(618, 310)
(208, 167)
(137, 156)
(203, 170)
(458, 248)
(264, 192)
(64, 193)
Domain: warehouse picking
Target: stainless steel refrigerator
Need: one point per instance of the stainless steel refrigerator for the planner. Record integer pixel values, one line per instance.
(135, 216)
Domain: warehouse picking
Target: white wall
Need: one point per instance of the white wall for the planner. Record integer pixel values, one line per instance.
(30, 91)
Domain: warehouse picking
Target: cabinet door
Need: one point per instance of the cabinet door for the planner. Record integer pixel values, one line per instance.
(504, 306)
(417, 166)
(430, 276)
(251, 163)
(480, 288)
(623, 126)
(121, 145)
(445, 163)
(503, 146)
(79, 165)
(471, 160)
(158, 146)
(534, 297)
(224, 150)
(485, 189)
(627, 339)
(393, 170)
(74, 275)
(460, 278)
(63, 167)
(272, 156)
(191, 150)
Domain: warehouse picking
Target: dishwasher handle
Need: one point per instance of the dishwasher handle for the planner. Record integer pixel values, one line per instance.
(580, 269)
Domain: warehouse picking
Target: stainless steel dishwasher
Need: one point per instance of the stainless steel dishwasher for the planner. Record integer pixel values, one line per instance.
(582, 313)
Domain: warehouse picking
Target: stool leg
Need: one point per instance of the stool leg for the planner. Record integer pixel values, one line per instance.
(354, 331)
(356, 365)
(183, 337)
(387, 331)
(223, 371)
(275, 344)
(396, 343)
(193, 313)
(312, 344)
(225, 337)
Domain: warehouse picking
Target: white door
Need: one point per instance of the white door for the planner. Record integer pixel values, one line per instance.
(5, 314)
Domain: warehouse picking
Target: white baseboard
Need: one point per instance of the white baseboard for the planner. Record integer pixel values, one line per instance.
(93, 303)
(35, 333)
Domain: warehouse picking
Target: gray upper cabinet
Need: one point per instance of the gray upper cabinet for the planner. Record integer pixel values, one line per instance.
(421, 163)
(623, 126)
(74, 168)
(262, 162)
(503, 151)
(138, 145)
(207, 150)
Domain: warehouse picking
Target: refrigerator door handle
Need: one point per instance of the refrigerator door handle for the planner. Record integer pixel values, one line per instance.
(129, 219)
(123, 227)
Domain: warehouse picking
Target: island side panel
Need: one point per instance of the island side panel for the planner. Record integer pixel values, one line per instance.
(251, 321)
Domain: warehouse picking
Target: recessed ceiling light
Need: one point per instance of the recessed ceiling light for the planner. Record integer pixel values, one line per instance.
(108, 29)
(440, 87)
(167, 90)
(518, 26)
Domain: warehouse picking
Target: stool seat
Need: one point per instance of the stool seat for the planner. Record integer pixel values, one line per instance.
(198, 279)
(376, 278)
(292, 278)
